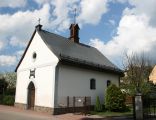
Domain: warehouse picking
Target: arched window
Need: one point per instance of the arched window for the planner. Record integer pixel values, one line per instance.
(92, 84)
(108, 83)
(34, 56)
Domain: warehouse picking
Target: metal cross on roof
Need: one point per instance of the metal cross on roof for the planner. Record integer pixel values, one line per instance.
(39, 20)
(75, 16)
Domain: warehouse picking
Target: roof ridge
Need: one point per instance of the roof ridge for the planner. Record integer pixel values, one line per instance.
(68, 40)
(54, 34)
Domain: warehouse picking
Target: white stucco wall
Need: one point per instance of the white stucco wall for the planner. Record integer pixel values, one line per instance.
(76, 82)
(44, 80)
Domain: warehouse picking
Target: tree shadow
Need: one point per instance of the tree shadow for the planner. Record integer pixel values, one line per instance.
(108, 118)
(96, 118)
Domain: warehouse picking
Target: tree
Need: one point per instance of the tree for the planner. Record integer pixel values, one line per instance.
(115, 99)
(10, 77)
(137, 70)
(3, 85)
(98, 106)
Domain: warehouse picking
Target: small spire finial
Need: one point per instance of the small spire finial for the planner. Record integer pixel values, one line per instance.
(39, 20)
(39, 26)
(75, 16)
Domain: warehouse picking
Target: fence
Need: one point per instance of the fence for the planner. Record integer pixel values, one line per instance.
(75, 104)
(149, 108)
(129, 100)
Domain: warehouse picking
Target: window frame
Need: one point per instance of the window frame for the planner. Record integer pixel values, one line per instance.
(34, 56)
(92, 83)
(108, 83)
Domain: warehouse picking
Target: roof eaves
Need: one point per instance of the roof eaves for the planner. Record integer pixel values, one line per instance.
(93, 65)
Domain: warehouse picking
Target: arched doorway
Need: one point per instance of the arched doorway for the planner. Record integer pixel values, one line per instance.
(31, 96)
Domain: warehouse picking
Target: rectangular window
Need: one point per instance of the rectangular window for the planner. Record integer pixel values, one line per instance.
(92, 84)
(108, 83)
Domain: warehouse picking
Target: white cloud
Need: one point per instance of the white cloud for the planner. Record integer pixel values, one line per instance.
(14, 41)
(19, 54)
(120, 1)
(89, 11)
(18, 27)
(61, 13)
(134, 34)
(92, 11)
(1, 45)
(145, 7)
(112, 22)
(12, 3)
(6, 60)
(42, 1)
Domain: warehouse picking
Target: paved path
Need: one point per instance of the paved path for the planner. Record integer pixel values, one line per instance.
(12, 113)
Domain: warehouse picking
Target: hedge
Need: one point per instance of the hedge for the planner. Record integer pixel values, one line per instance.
(8, 100)
(115, 99)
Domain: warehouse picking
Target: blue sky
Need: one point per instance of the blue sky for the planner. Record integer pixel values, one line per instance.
(114, 27)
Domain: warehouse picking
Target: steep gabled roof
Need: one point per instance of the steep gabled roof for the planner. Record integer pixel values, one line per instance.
(67, 50)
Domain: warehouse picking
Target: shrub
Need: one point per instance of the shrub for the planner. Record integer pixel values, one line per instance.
(98, 106)
(10, 91)
(3, 85)
(8, 100)
(115, 99)
(1, 98)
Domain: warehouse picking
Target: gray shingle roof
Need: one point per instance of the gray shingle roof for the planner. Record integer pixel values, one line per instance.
(64, 48)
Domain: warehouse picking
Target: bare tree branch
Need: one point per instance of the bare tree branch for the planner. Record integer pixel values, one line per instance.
(137, 69)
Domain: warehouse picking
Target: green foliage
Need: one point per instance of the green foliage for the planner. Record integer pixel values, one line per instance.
(7, 88)
(115, 99)
(3, 85)
(10, 77)
(98, 106)
(8, 100)
(7, 83)
(152, 93)
(1, 99)
(137, 71)
(131, 88)
(10, 91)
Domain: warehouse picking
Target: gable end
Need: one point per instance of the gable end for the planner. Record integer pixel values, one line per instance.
(25, 50)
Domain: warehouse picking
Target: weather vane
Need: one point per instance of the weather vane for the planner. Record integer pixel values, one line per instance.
(75, 16)
(39, 20)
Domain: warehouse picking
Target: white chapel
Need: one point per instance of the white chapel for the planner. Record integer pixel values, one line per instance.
(54, 67)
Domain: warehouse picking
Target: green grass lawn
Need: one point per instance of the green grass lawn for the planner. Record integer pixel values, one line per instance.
(107, 113)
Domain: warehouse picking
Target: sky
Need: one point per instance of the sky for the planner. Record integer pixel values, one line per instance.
(114, 27)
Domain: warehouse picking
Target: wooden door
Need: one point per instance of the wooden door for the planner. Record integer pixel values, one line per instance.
(31, 96)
